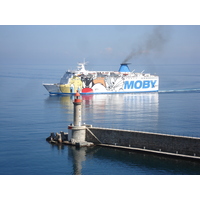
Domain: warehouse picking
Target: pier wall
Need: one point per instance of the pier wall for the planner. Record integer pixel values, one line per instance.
(145, 140)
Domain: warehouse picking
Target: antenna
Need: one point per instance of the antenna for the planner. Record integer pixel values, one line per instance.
(84, 62)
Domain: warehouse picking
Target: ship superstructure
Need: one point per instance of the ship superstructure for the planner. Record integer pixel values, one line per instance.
(99, 82)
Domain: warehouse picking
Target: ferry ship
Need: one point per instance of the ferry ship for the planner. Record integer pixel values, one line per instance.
(100, 82)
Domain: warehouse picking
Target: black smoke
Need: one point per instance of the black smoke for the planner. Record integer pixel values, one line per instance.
(154, 42)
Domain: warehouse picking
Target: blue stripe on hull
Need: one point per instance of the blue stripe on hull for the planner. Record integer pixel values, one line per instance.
(104, 92)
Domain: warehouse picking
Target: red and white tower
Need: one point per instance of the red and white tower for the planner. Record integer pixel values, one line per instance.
(77, 109)
(76, 131)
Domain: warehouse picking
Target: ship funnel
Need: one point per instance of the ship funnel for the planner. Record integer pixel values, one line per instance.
(124, 67)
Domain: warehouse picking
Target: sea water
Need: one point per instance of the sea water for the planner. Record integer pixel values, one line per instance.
(28, 115)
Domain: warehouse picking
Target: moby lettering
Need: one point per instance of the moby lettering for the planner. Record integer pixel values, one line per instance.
(139, 84)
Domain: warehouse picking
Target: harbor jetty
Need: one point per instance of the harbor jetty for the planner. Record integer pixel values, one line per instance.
(80, 135)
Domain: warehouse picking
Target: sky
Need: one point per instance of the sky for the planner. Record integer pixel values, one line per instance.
(99, 44)
(24, 44)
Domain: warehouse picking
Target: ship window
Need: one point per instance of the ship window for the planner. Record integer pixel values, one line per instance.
(65, 78)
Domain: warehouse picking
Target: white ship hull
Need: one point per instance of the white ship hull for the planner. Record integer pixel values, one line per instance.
(102, 82)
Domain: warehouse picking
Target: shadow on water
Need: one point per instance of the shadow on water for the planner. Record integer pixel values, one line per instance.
(105, 161)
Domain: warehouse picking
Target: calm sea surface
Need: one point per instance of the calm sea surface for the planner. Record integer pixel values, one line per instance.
(28, 114)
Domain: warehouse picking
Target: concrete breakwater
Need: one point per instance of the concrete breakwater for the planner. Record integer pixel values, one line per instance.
(85, 135)
(172, 145)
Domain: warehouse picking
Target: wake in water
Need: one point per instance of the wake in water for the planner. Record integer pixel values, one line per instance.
(180, 90)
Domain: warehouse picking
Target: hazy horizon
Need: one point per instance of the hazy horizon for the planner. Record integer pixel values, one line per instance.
(99, 44)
